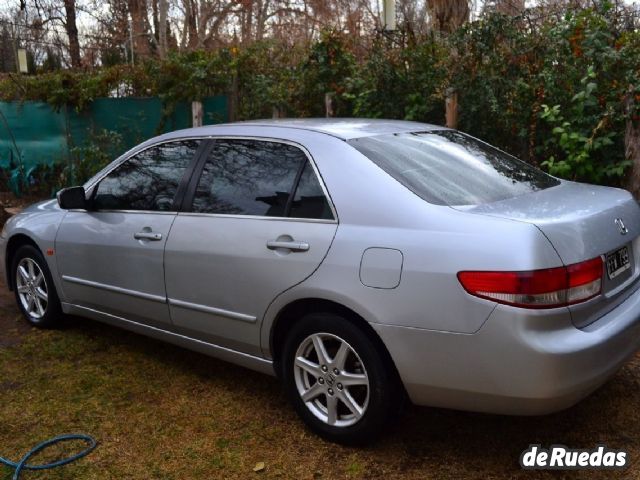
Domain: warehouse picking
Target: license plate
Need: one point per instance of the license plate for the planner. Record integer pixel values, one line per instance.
(618, 262)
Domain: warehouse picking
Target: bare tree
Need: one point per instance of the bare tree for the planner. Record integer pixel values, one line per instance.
(413, 15)
(72, 32)
(506, 7)
(448, 15)
(161, 29)
(140, 30)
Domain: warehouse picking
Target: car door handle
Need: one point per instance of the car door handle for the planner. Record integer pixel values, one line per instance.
(154, 237)
(289, 245)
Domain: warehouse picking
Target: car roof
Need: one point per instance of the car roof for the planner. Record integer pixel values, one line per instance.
(343, 128)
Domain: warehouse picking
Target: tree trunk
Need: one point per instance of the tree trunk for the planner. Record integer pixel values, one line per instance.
(261, 17)
(247, 24)
(191, 24)
(449, 15)
(155, 22)
(139, 21)
(72, 32)
(506, 7)
(162, 33)
(632, 143)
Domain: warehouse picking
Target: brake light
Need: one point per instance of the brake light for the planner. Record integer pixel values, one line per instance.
(548, 288)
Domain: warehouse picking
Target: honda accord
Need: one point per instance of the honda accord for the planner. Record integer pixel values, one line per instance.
(361, 261)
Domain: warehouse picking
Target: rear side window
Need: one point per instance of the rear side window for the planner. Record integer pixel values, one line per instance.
(148, 180)
(258, 178)
(450, 168)
(309, 200)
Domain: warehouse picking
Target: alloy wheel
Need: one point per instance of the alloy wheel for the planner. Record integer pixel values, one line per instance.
(32, 288)
(331, 379)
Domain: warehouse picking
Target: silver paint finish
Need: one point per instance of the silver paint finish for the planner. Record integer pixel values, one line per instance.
(578, 219)
(521, 362)
(381, 267)
(213, 311)
(111, 288)
(38, 222)
(451, 349)
(106, 268)
(244, 360)
(580, 222)
(228, 267)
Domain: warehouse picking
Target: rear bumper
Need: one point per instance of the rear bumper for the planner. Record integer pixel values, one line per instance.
(523, 362)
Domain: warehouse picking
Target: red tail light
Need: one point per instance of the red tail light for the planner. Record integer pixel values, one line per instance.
(548, 288)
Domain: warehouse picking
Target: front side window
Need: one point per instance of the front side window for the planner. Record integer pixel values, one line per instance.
(251, 177)
(148, 180)
(445, 167)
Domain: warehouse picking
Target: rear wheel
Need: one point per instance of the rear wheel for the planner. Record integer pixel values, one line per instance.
(34, 290)
(338, 381)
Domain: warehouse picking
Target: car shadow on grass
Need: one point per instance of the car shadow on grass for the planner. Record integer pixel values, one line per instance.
(451, 442)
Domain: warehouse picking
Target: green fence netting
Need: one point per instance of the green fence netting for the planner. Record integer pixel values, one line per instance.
(34, 134)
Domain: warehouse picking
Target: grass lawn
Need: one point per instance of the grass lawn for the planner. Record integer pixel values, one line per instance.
(159, 411)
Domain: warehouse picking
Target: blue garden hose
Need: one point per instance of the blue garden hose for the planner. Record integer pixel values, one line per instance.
(23, 465)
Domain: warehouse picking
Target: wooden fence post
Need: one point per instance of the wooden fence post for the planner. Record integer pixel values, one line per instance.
(451, 108)
(196, 113)
(233, 98)
(328, 105)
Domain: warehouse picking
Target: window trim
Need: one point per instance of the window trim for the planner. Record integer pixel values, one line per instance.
(201, 151)
(195, 179)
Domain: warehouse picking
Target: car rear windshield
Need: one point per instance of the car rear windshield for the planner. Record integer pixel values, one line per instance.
(446, 167)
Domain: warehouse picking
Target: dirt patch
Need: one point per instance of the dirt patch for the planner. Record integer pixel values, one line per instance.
(12, 326)
(7, 386)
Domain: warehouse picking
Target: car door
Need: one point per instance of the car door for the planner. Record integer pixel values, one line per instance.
(111, 257)
(257, 222)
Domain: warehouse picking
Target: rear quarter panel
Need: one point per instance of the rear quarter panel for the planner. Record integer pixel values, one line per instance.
(436, 243)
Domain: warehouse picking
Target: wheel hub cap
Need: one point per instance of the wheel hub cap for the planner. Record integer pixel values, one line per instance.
(329, 379)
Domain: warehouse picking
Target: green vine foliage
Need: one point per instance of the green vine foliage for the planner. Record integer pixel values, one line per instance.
(327, 69)
(582, 140)
(100, 148)
(551, 92)
(268, 77)
(401, 79)
(550, 89)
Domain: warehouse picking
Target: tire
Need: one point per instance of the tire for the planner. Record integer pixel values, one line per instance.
(372, 391)
(34, 289)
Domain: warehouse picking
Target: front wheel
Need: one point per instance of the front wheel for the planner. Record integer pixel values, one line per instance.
(337, 379)
(34, 290)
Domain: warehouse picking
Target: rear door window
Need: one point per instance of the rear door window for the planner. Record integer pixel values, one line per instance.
(446, 167)
(259, 178)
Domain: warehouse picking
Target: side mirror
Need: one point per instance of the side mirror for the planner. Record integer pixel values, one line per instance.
(72, 198)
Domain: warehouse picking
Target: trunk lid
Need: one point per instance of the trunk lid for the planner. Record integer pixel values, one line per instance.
(582, 222)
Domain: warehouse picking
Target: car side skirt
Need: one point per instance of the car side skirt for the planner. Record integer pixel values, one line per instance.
(239, 358)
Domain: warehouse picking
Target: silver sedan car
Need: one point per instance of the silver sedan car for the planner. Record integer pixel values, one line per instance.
(361, 261)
